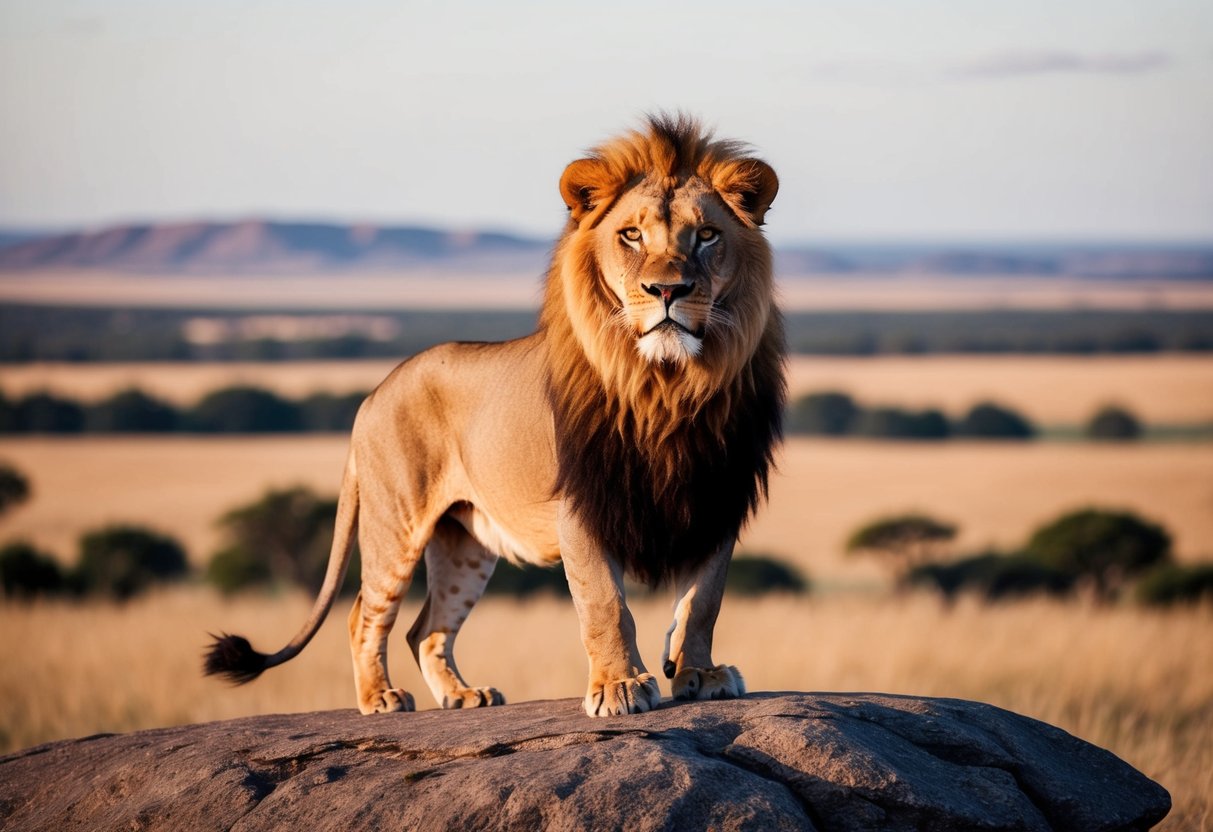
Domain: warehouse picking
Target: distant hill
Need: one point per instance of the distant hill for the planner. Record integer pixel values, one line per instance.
(1111, 261)
(12, 236)
(269, 247)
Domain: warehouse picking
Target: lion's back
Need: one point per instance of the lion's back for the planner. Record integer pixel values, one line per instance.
(457, 381)
(474, 416)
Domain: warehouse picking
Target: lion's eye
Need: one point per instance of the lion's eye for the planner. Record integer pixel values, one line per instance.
(707, 234)
(632, 235)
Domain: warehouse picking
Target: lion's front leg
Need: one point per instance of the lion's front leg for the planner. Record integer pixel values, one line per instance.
(619, 683)
(688, 644)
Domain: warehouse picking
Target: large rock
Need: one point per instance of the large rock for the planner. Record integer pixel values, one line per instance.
(765, 762)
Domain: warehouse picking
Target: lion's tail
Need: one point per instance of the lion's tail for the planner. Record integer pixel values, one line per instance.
(235, 659)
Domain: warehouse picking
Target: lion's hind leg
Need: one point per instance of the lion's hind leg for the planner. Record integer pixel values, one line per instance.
(389, 558)
(457, 570)
(371, 620)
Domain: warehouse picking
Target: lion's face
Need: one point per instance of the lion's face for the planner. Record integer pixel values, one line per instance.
(677, 252)
(666, 256)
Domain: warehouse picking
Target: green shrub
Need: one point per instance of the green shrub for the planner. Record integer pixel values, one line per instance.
(991, 421)
(9, 422)
(235, 569)
(1172, 583)
(895, 423)
(290, 532)
(328, 412)
(122, 561)
(1104, 547)
(25, 572)
(821, 414)
(243, 410)
(993, 576)
(1113, 424)
(131, 411)
(47, 413)
(751, 575)
(14, 487)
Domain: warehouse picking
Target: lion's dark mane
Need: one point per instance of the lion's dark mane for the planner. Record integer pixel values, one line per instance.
(659, 532)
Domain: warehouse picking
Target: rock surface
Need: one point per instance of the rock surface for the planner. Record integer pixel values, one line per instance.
(769, 761)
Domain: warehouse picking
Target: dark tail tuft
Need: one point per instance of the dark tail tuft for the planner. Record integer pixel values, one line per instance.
(233, 658)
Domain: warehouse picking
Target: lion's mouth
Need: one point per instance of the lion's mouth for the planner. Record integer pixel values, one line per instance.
(671, 325)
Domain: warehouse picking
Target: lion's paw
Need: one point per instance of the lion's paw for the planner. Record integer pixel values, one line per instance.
(634, 695)
(720, 682)
(391, 701)
(472, 698)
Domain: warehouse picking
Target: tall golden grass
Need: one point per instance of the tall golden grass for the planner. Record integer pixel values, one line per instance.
(1136, 681)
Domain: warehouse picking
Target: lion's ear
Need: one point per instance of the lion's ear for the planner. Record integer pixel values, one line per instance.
(749, 187)
(584, 185)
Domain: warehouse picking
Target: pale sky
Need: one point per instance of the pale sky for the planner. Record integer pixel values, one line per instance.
(886, 119)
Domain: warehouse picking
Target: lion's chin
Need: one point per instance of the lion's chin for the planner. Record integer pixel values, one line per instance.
(669, 344)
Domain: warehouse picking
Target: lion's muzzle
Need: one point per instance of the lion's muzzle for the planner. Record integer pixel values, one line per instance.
(668, 292)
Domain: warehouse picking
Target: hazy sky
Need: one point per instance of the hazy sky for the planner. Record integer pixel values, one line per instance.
(905, 119)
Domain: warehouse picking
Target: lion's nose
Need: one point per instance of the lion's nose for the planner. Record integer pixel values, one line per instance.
(668, 292)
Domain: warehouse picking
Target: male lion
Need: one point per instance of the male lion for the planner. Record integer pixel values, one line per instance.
(632, 433)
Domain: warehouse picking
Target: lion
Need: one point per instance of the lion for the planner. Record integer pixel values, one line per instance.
(631, 434)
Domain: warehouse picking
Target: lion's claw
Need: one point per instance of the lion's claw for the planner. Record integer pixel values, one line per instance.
(393, 701)
(634, 695)
(473, 698)
(720, 682)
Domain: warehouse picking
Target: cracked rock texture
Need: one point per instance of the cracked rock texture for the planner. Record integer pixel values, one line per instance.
(769, 761)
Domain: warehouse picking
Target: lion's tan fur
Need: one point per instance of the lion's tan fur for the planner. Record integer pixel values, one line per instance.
(463, 452)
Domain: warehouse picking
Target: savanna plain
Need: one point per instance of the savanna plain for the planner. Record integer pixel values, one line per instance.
(1136, 680)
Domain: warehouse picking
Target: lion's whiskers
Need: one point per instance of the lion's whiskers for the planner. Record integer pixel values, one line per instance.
(718, 317)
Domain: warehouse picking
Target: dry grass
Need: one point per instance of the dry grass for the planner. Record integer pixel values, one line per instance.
(1135, 681)
(997, 492)
(1168, 388)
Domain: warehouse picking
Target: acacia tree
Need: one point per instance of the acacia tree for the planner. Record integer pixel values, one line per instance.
(1105, 548)
(26, 572)
(904, 541)
(1113, 424)
(827, 413)
(284, 536)
(131, 411)
(988, 420)
(14, 487)
(123, 561)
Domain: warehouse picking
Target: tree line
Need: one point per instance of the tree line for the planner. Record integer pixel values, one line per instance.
(230, 410)
(833, 413)
(245, 409)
